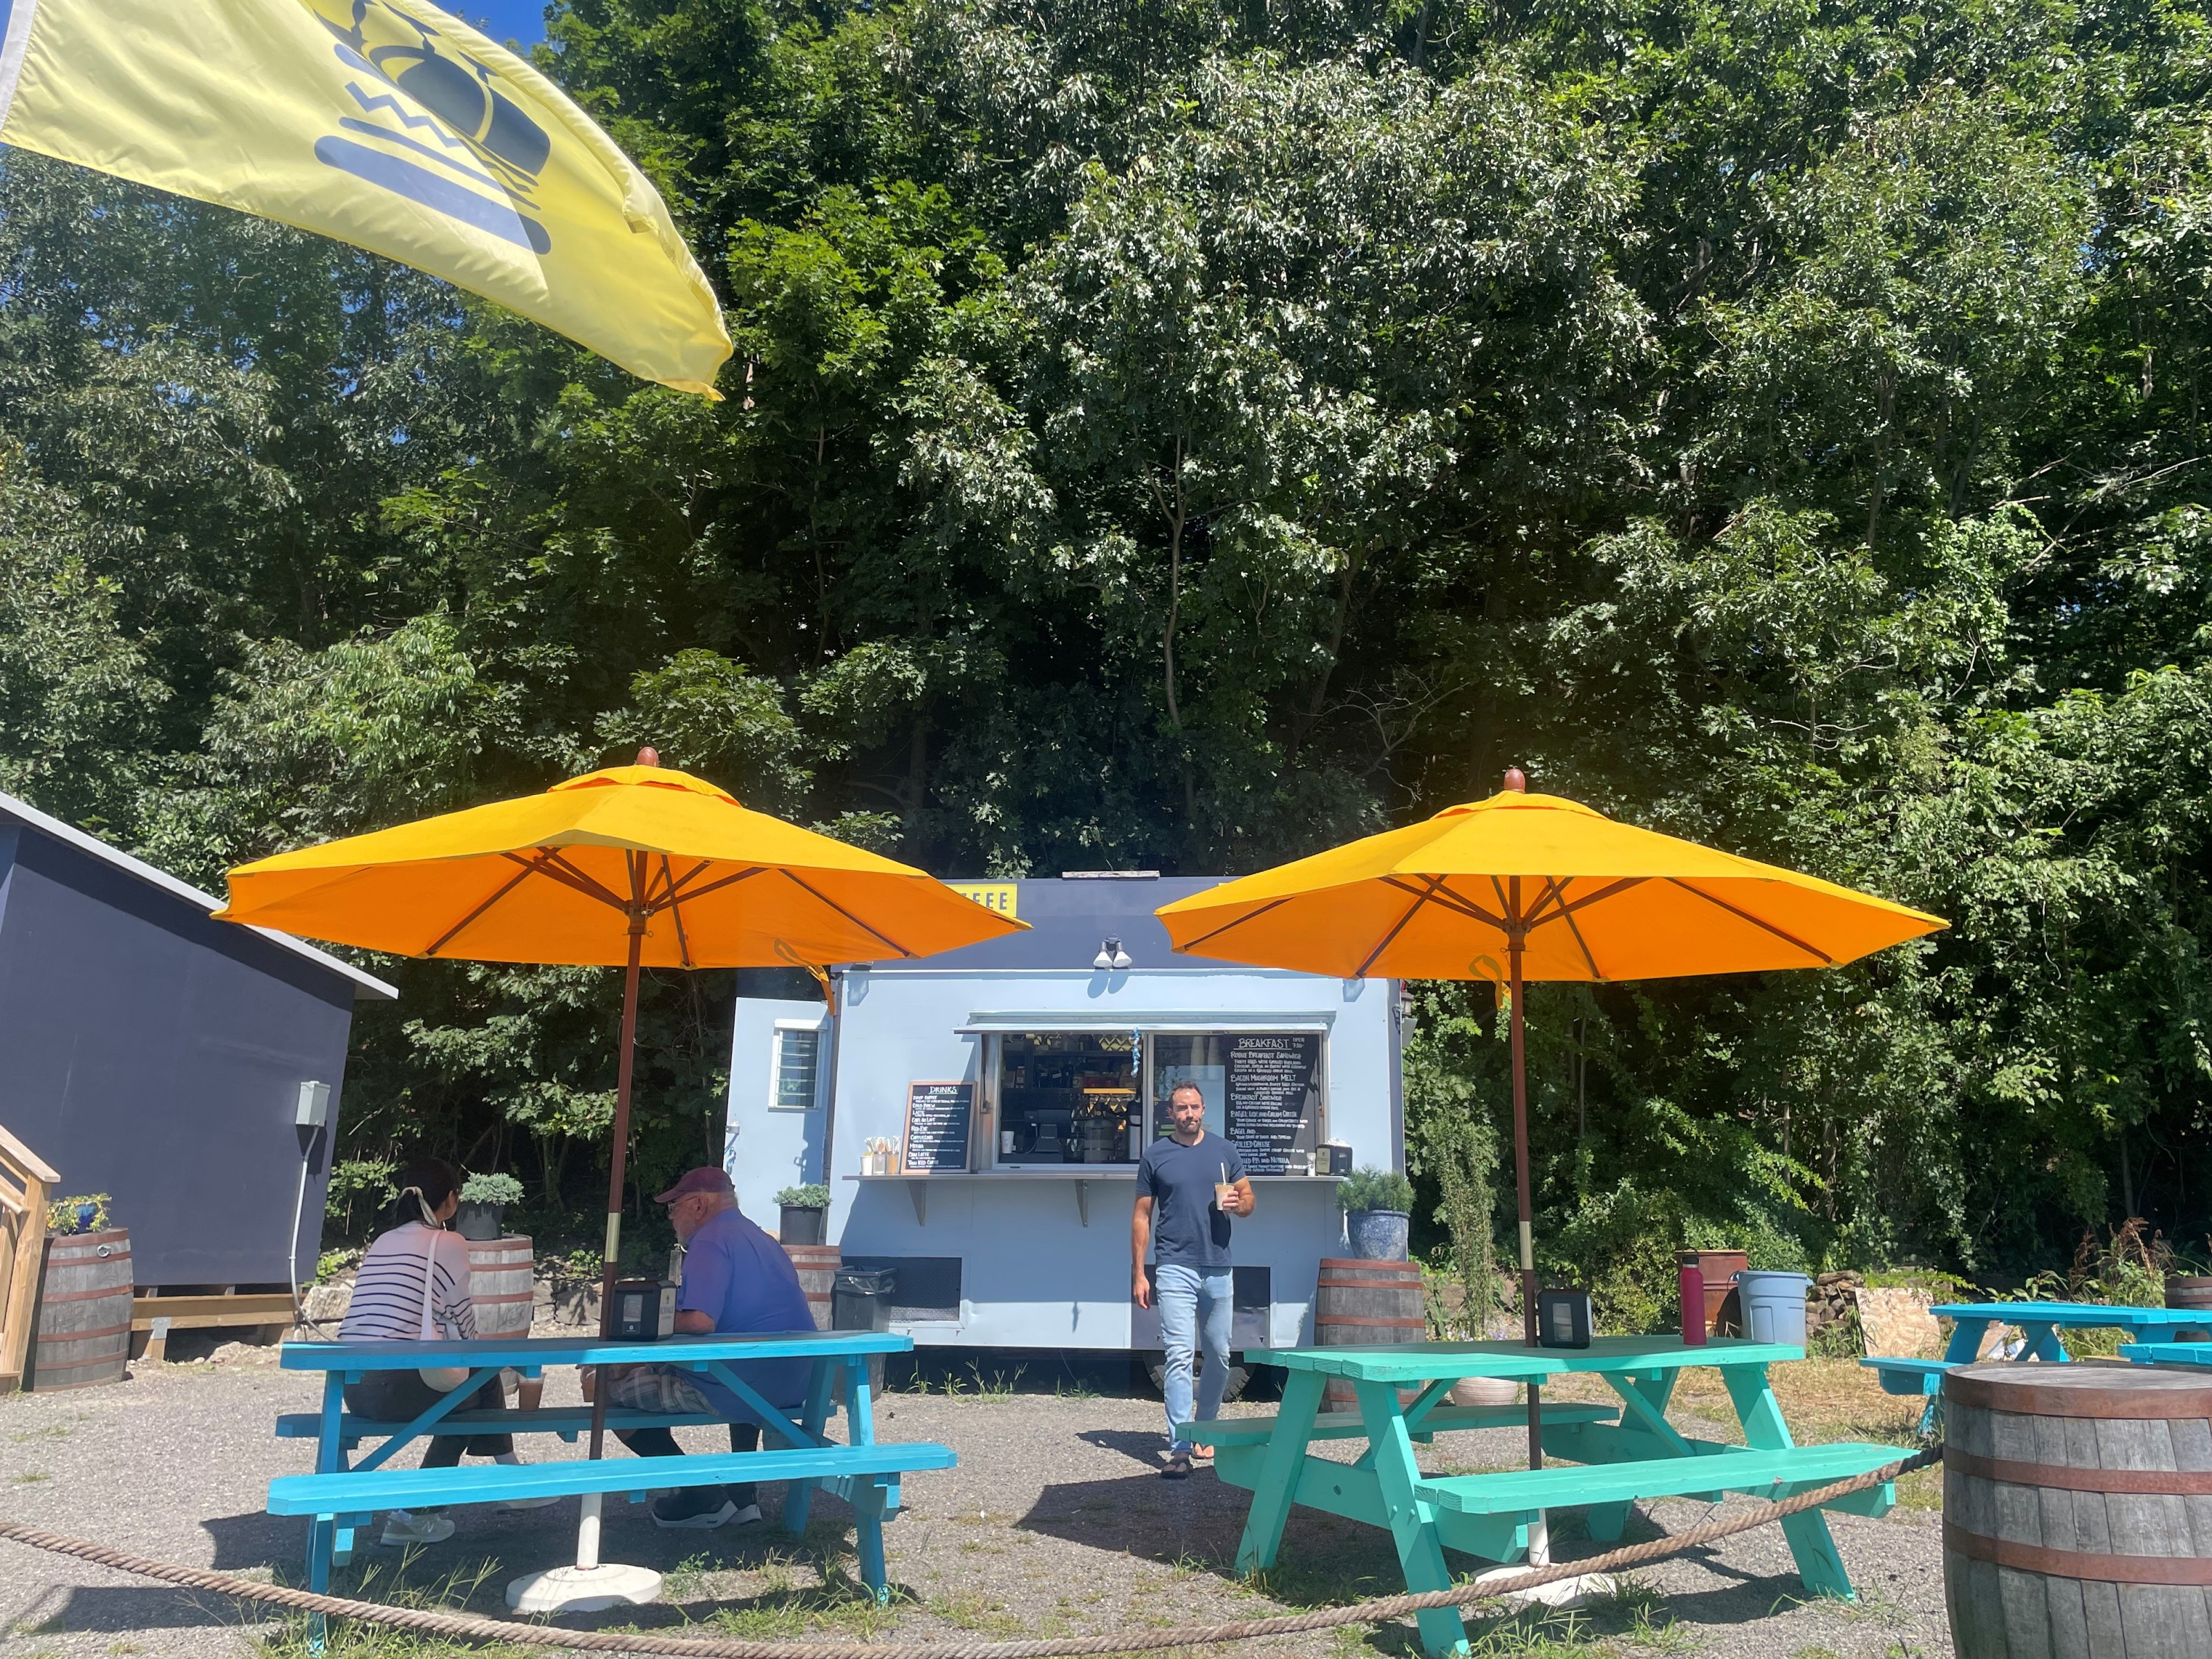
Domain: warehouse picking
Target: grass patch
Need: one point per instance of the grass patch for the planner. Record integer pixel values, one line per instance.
(972, 1611)
(31, 1477)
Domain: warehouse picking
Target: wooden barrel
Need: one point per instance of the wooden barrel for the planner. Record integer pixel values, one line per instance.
(500, 1290)
(818, 1271)
(2191, 1291)
(2067, 1494)
(84, 1312)
(1366, 1304)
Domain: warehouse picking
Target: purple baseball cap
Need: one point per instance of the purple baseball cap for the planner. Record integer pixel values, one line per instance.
(707, 1179)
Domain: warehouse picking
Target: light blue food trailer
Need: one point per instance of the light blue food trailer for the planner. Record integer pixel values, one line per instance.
(1016, 1082)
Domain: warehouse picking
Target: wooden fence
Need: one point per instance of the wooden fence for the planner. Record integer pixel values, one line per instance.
(26, 1187)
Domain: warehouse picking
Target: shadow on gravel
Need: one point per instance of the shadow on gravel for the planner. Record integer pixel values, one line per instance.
(1140, 1446)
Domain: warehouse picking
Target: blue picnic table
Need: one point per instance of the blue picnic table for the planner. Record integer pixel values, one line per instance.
(344, 1490)
(1622, 1453)
(2038, 1324)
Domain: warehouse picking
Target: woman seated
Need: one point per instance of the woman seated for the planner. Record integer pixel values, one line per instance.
(413, 1286)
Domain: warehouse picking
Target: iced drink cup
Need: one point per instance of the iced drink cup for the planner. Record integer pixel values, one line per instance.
(1224, 1196)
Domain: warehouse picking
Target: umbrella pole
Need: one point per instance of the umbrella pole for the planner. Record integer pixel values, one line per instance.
(1521, 1184)
(590, 1584)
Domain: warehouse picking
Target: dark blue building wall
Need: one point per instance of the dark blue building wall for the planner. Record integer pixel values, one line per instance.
(149, 1052)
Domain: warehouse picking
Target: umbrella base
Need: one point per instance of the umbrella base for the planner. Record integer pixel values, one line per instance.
(1560, 1593)
(583, 1589)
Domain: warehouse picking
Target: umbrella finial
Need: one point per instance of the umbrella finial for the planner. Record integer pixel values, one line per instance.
(648, 755)
(1516, 780)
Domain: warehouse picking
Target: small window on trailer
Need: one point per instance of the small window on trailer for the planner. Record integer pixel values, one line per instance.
(795, 1067)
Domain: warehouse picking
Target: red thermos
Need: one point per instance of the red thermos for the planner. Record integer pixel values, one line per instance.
(1694, 1304)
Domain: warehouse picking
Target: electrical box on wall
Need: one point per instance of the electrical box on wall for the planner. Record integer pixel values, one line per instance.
(315, 1105)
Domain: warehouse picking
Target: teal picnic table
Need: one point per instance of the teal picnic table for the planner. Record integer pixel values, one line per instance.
(1619, 1455)
(344, 1489)
(2038, 1324)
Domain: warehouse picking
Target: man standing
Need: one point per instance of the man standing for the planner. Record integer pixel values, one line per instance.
(1188, 1184)
(736, 1278)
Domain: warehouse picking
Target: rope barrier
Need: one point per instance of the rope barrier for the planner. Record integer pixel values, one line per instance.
(468, 1627)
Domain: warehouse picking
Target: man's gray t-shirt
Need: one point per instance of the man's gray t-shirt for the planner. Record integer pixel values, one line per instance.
(1186, 1230)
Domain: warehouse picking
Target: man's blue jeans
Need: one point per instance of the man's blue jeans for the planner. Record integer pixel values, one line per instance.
(1195, 1311)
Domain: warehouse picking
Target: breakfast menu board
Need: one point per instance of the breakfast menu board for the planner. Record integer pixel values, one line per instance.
(1272, 1097)
(937, 1116)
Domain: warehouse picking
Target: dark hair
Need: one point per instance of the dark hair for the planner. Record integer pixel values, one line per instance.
(423, 1187)
(1193, 1087)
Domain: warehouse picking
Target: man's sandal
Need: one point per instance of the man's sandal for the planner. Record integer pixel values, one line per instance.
(1178, 1466)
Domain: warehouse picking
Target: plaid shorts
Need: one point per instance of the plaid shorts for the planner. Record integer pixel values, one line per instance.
(658, 1388)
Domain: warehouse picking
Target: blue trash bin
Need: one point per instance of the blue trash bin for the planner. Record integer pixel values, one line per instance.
(1773, 1305)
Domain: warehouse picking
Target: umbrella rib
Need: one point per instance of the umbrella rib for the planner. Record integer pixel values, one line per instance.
(1605, 892)
(711, 887)
(675, 910)
(1420, 899)
(1581, 943)
(529, 868)
(1825, 960)
(843, 912)
(569, 876)
(675, 888)
(1450, 901)
(1249, 915)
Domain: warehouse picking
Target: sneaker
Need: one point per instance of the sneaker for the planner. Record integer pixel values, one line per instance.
(401, 1528)
(697, 1508)
(1178, 1466)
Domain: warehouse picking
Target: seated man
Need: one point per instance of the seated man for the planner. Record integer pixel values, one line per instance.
(736, 1278)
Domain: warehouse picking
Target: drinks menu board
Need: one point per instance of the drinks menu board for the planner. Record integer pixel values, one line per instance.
(1272, 1096)
(937, 1117)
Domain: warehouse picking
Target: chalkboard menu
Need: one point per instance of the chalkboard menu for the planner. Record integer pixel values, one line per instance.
(1272, 1097)
(937, 1119)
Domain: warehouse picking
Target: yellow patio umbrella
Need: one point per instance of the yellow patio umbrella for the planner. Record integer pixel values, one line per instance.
(640, 866)
(1524, 887)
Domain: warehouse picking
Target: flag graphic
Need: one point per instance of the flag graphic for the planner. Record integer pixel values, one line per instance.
(383, 122)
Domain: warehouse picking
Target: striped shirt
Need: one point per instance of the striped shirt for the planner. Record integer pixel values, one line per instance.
(388, 1292)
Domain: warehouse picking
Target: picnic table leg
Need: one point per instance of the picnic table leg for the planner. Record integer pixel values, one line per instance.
(1965, 1344)
(868, 1532)
(2041, 1341)
(1279, 1473)
(798, 1500)
(1412, 1523)
(1819, 1562)
(330, 1459)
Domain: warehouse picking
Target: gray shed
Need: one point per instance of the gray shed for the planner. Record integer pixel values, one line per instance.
(152, 1053)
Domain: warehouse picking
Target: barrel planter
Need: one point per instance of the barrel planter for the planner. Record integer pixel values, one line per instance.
(1366, 1304)
(2067, 1494)
(2191, 1291)
(500, 1289)
(84, 1312)
(817, 1271)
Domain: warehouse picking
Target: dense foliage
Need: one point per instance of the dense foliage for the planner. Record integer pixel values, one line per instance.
(1179, 434)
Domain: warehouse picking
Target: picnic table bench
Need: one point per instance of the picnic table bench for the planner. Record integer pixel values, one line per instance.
(2039, 1323)
(1625, 1454)
(343, 1492)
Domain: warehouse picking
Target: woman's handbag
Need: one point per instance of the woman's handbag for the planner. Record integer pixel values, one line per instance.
(442, 1379)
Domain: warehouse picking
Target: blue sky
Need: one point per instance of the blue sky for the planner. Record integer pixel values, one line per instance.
(502, 20)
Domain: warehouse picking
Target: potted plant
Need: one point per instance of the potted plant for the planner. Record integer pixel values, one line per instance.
(1377, 1205)
(805, 1214)
(483, 1197)
(86, 1213)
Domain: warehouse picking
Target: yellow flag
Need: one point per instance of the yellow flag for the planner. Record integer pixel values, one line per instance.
(383, 122)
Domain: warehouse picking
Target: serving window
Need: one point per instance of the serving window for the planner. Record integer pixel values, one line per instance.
(1068, 1097)
(1098, 1096)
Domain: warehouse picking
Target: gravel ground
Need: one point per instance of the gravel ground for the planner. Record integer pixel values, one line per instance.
(1054, 1520)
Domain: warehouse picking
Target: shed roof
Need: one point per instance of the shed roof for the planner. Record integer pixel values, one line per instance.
(22, 812)
(1070, 918)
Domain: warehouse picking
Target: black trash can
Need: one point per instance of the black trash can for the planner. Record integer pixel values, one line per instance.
(860, 1300)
